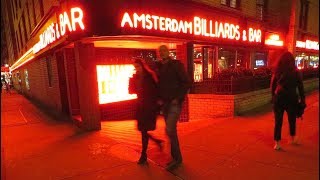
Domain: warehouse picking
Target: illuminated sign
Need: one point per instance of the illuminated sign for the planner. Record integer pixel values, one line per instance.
(57, 30)
(274, 40)
(308, 44)
(113, 83)
(259, 62)
(198, 27)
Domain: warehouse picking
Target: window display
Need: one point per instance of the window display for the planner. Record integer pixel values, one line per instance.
(197, 64)
(260, 60)
(302, 61)
(113, 82)
(314, 61)
(26, 78)
(226, 58)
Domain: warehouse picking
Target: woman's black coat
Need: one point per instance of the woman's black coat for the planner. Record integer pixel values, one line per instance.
(147, 108)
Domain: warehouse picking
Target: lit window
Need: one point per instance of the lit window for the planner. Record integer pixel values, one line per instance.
(113, 82)
(26, 78)
(231, 3)
(224, 2)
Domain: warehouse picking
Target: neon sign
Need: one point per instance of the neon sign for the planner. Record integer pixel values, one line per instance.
(56, 30)
(274, 40)
(308, 44)
(198, 27)
(113, 82)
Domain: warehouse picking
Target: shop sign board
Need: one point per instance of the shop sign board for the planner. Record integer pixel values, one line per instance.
(209, 28)
(67, 22)
(273, 39)
(308, 44)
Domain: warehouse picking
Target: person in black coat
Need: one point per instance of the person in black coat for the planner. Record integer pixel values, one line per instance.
(144, 84)
(174, 84)
(284, 82)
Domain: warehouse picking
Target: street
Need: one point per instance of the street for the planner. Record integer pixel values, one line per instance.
(36, 146)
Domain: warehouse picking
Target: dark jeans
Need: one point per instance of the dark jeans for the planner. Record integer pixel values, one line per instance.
(171, 112)
(145, 140)
(278, 110)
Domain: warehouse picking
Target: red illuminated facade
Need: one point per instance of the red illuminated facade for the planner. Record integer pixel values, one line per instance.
(84, 51)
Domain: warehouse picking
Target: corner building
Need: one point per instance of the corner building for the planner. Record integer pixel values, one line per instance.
(79, 56)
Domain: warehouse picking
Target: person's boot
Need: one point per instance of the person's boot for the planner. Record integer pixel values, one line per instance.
(142, 159)
(277, 146)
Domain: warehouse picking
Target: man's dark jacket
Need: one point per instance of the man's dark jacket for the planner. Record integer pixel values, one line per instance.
(174, 82)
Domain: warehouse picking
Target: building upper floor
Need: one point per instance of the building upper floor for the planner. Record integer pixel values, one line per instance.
(26, 17)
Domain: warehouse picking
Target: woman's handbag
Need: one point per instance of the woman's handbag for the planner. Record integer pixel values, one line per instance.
(300, 109)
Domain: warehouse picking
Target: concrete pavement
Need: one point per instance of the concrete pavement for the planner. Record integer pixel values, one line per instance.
(36, 146)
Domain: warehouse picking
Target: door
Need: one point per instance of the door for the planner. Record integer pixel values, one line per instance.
(62, 83)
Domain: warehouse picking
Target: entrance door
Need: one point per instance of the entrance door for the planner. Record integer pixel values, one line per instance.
(72, 83)
(208, 62)
(62, 83)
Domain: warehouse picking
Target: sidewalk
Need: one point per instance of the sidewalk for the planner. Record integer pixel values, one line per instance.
(34, 146)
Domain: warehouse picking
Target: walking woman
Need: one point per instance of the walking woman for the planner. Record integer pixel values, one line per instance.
(144, 84)
(284, 82)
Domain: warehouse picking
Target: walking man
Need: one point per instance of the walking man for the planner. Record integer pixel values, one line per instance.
(174, 84)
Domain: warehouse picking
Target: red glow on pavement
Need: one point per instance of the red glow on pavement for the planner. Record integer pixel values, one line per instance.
(113, 82)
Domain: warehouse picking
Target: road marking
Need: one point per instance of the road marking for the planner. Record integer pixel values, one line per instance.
(23, 116)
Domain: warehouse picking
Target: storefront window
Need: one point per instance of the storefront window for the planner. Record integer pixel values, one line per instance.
(208, 62)
(113, 82)
(314, 61)
(260, 60)
(203, 58)
(197, 64)
(226, 58)
(26, 77)
(243, 59)
(173, 54)
(302, 61)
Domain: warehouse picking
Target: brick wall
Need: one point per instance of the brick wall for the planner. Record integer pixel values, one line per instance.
(203, 106)
(39, 85)
(251, 100)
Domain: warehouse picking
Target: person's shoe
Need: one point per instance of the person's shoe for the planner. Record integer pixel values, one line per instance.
(173, 164)
(142, 160)
(277, 146)
(294, 141)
